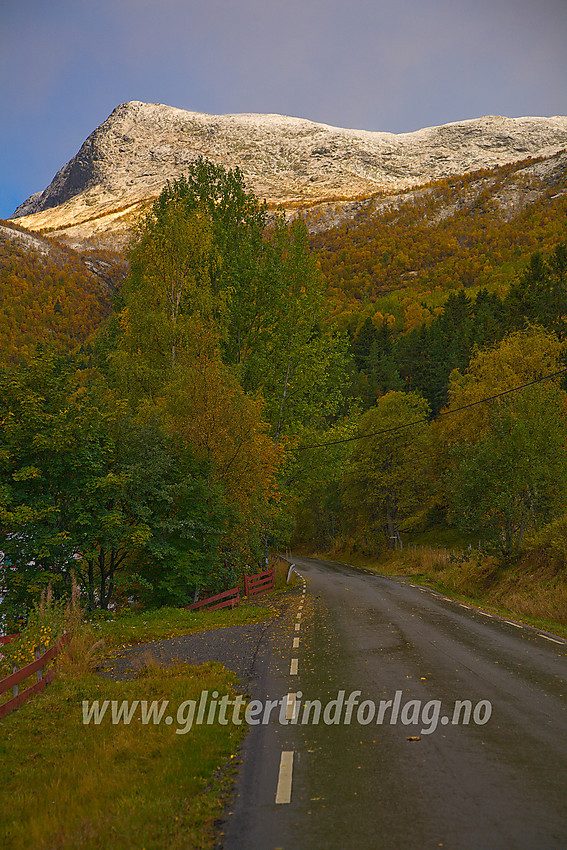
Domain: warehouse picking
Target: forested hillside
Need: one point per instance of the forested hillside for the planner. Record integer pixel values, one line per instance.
(49, 293)
(401, 257)
(422, 359)
(156, 461)
(248, 386)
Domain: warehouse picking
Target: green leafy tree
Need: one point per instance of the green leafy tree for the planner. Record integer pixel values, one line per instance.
(52, 441)
(387, 478)
(167, 520)
(165, 297)
(251, 335)
(85, 489)
(507, 461)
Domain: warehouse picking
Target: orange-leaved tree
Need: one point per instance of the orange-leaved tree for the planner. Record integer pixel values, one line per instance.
(205, 406)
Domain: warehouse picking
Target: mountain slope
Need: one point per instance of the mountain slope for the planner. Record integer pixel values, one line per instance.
(126, 161)
(50, 293)
(471, 230)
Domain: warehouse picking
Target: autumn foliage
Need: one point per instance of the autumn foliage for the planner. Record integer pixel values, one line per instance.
(248, 386)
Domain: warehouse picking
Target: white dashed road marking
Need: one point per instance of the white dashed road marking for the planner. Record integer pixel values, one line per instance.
(283, 792)
(292, 706)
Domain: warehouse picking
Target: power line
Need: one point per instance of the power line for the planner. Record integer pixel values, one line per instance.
(425, 419)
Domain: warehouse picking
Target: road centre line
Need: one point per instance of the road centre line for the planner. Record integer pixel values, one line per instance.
(283, 791)
(295, 643)
(297, 627)
(292, 706)
(298, 616)
(293, 666)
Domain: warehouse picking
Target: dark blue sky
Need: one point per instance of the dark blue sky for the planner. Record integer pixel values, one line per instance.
(394, 65)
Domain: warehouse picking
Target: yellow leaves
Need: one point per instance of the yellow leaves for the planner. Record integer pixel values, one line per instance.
(522, 357)
(415, 315)
(378, 320)
(38, 633)
(27, 473)
(124, 319)
(206, 406)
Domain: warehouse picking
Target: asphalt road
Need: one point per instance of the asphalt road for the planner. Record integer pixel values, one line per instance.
(498, 782)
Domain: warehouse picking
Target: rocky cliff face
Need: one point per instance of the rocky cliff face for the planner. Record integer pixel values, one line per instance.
(126, 161)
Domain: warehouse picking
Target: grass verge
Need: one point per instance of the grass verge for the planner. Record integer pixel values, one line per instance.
(70, 785)
(127, 628)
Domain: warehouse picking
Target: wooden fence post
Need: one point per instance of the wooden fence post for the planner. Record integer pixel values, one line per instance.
(37, 653)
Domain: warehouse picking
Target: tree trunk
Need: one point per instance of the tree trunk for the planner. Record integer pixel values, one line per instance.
(90, 586)
(101, 566)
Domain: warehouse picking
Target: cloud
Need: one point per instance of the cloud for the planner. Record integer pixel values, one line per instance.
(377, 64)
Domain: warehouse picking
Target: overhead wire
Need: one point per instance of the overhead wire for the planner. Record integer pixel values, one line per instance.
(426, 419)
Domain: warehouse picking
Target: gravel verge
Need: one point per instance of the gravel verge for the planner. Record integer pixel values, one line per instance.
(236, 647)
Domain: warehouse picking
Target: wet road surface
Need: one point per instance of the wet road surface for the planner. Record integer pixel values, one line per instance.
(406, 777)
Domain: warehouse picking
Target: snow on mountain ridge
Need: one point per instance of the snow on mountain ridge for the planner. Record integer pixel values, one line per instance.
(127, 159)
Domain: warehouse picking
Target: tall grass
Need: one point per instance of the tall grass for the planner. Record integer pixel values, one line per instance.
(114, 787)
(66, 785)
(532, 587)
(281, 568)
(47, 622)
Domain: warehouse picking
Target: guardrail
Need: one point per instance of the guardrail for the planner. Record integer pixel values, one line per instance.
(43, 679)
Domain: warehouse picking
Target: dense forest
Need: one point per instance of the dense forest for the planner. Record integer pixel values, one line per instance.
(245, 388)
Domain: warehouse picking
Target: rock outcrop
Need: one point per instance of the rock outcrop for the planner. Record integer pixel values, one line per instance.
(126, 161)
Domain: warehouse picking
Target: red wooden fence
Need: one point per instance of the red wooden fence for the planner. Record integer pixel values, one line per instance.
(43, 679)
(253, 585)
(259, 583)
(8, 639)
(227, 599)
